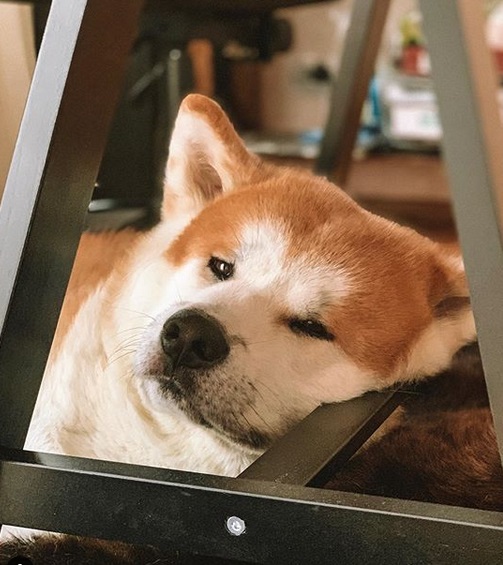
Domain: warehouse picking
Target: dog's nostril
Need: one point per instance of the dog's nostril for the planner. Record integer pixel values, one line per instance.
(191, 338)
(172, 331)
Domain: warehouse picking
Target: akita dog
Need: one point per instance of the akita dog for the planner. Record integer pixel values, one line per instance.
(263, 293)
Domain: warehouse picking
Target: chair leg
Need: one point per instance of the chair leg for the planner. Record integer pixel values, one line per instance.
(466, 88)
(61, 140)
(351, 88)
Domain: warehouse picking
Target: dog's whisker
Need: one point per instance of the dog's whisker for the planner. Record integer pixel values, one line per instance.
(114, 359)
(127, 343)
(133, 341)
(135, 329)
(271, 391)
(261, 342)
(135, 337)
(143, 314)
(238, 421)
(259, 416)
(129, 347)
(130, 342)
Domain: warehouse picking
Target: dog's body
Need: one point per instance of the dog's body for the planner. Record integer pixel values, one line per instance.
(262, 294)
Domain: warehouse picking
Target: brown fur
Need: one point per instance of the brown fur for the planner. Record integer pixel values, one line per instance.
(73, 550)
(444, 449)
(327, 233)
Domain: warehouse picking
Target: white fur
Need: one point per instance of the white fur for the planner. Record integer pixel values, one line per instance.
(91, 405)
(433, 351)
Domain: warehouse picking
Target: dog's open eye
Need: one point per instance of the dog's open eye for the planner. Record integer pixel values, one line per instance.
(310, 328)
(221, 269)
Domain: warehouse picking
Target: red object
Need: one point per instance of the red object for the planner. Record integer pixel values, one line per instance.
(498, 57)
(410, 62)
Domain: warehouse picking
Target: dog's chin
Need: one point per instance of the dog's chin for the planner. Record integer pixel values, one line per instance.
(166, 394)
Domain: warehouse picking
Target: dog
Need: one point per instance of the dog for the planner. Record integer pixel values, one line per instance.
(263, 293)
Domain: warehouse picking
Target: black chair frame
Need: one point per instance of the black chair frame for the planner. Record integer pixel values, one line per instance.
(268, 515)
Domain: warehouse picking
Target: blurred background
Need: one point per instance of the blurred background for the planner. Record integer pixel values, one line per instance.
(274, 76)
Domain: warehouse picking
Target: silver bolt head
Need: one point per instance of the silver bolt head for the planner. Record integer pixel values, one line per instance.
(235, 525)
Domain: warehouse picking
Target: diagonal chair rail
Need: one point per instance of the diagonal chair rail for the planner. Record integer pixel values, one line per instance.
(62, 137)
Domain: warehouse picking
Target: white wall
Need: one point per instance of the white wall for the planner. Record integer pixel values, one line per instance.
(17, 60)
(289, 102)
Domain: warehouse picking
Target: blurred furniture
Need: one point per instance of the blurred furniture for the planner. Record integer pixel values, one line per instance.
(14, 79)
(159, 75)
(60, 144)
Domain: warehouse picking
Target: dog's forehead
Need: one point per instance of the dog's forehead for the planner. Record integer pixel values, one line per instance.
(294, 228)
(293, 208)
(266, 257)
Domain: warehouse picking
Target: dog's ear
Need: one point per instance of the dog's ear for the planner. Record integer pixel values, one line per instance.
(206, 157)
(452, 324)
(449, 294)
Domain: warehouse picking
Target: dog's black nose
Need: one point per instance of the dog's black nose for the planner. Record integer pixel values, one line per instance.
(191, 338)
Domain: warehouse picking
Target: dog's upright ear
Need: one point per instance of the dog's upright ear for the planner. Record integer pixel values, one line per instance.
(206, 157)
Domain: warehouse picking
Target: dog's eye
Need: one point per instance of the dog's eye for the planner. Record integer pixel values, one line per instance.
(221, 269)
(310, 328)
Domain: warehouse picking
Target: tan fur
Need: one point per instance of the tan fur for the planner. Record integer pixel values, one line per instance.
(377, 328)
(392, 308)
(96, 258)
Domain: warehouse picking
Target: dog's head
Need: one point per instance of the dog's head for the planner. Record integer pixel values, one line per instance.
(278, 293)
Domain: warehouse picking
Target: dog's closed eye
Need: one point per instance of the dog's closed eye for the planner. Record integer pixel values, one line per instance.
(310, 328)
(221, 269)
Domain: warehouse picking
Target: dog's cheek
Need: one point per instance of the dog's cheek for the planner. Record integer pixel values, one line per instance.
(303, 373)
(276, 379)
(349, 381)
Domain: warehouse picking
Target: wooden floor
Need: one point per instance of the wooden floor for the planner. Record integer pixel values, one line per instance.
(400, 176)
(410, 189)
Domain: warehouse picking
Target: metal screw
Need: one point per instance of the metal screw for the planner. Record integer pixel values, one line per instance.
(235, 526)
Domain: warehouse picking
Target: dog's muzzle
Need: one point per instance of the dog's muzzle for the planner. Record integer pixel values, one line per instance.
(193, 339)
(184, 367)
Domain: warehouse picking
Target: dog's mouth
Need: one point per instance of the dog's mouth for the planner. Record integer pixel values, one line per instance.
(209, 406)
